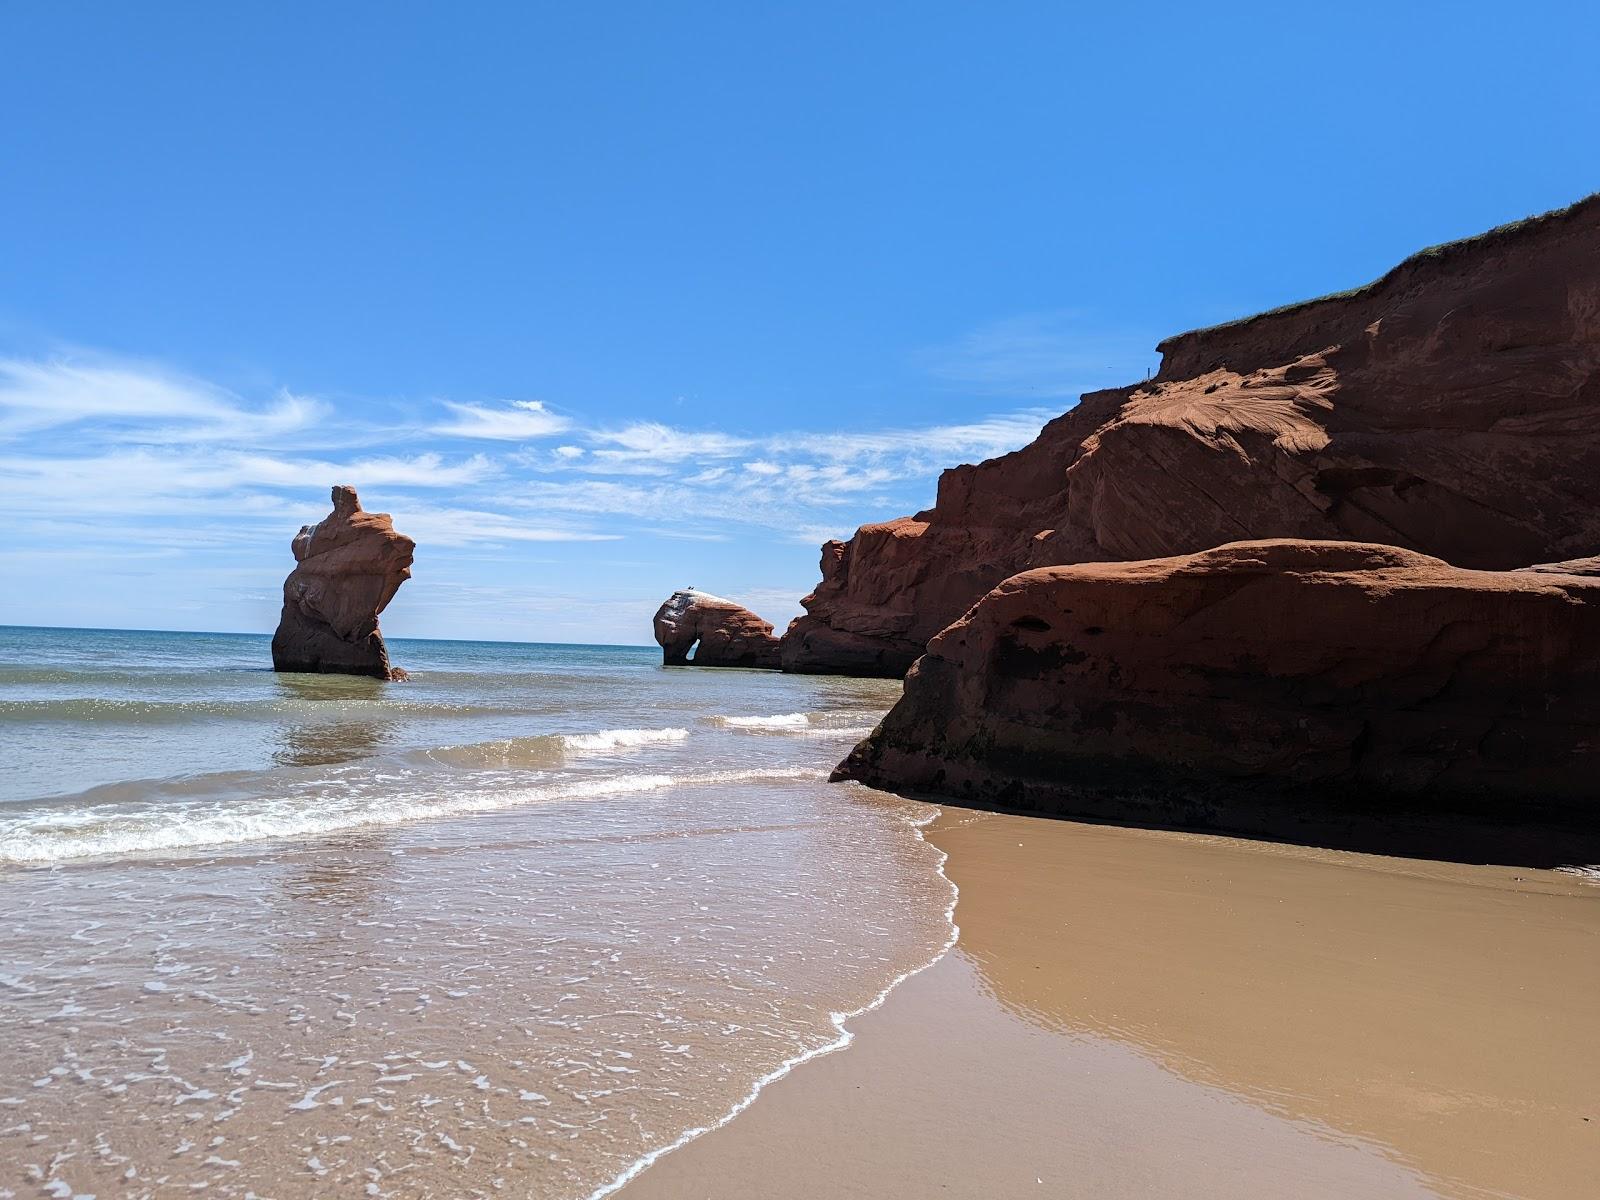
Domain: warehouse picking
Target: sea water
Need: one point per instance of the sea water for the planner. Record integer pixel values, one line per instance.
(513, 928)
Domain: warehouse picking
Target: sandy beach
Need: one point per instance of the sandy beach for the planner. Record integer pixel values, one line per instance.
(1134, 1013)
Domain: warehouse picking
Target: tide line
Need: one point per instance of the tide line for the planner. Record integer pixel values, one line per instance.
(840, 1022)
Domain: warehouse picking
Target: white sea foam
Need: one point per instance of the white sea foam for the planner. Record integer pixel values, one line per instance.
(548, 749)
(780, 723)
(622, 739)
(840, 1021)
(1589, 873)
(220, 850)
(53, 836)
(794, 724)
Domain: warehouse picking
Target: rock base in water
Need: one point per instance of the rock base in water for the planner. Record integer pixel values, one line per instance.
(349, 566)
(695, 628)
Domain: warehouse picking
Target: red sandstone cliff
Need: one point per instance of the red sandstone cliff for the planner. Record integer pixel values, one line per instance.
(1320, 691)
(718, 632)
(1452, 407)
(348, 567)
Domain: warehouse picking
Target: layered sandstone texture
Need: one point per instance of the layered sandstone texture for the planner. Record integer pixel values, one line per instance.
(1451, 407)
(695, 628)
(348, 567)
(1261, 687)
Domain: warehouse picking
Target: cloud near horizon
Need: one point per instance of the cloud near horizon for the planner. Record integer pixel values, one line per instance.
(521, 420)
(40, 395)
(127, 440)
(106, 456)
(1048, 355)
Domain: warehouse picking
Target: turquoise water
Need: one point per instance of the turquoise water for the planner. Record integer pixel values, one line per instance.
(511, 927)
(85, 707)
(187, 731)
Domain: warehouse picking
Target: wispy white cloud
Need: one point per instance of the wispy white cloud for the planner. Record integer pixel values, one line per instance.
(287, 414)
(151, 481)
(654, 442)
(447, 526)
(709, 503)
(520, 421)
(945, 444)
(106, 459)
(812, 468)
(1051, 354)
(685, 535)
(119, 397)
(121, 458)
(419, 470)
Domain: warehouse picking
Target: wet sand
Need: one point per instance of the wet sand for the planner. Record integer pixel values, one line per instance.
(1142, 1014)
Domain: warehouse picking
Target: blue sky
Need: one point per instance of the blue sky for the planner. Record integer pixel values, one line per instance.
(603, 300)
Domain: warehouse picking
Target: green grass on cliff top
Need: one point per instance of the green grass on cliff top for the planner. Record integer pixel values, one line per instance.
(1431, 254)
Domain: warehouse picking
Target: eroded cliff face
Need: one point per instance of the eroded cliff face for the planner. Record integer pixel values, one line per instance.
(1328, 692)
(695, 628)
(348, 567)
(1451, 407)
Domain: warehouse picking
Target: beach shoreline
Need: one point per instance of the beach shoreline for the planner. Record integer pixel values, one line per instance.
(842, 1022)
(1139, 1013)
(571, 923)
(520, 922)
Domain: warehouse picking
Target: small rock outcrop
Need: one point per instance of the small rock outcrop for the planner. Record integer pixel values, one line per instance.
(348, 567)
(1331, 692)
(695, 628)
(1451, 407)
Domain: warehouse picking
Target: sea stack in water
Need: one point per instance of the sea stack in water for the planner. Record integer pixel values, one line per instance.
(718, 632)
(1451, 407)
(1284, 688)
(348, 567)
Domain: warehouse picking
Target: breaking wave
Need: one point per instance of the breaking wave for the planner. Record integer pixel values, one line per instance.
(58, 834)
(549, 749)
(797, 725)
(784, 722)
(621, 739)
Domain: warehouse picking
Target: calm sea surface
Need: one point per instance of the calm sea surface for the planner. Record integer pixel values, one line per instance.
(508, 929)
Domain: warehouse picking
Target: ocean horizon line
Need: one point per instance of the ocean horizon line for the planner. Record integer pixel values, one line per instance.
(387, 637)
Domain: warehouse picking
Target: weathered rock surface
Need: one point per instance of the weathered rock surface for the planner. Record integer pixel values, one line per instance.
(1573, 566)
(1451, 407)
(695, 628)
(1285, 688)
(348, 567)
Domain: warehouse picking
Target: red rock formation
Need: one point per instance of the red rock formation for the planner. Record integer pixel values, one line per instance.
(1300, 689)
(348, 567)
(719, 632)
(1573, 566)
(1451, 407)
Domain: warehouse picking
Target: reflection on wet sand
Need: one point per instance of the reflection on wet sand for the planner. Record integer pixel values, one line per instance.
(945, 1093)
(353, 879)
(1443, 1011)
(1163, 1016)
